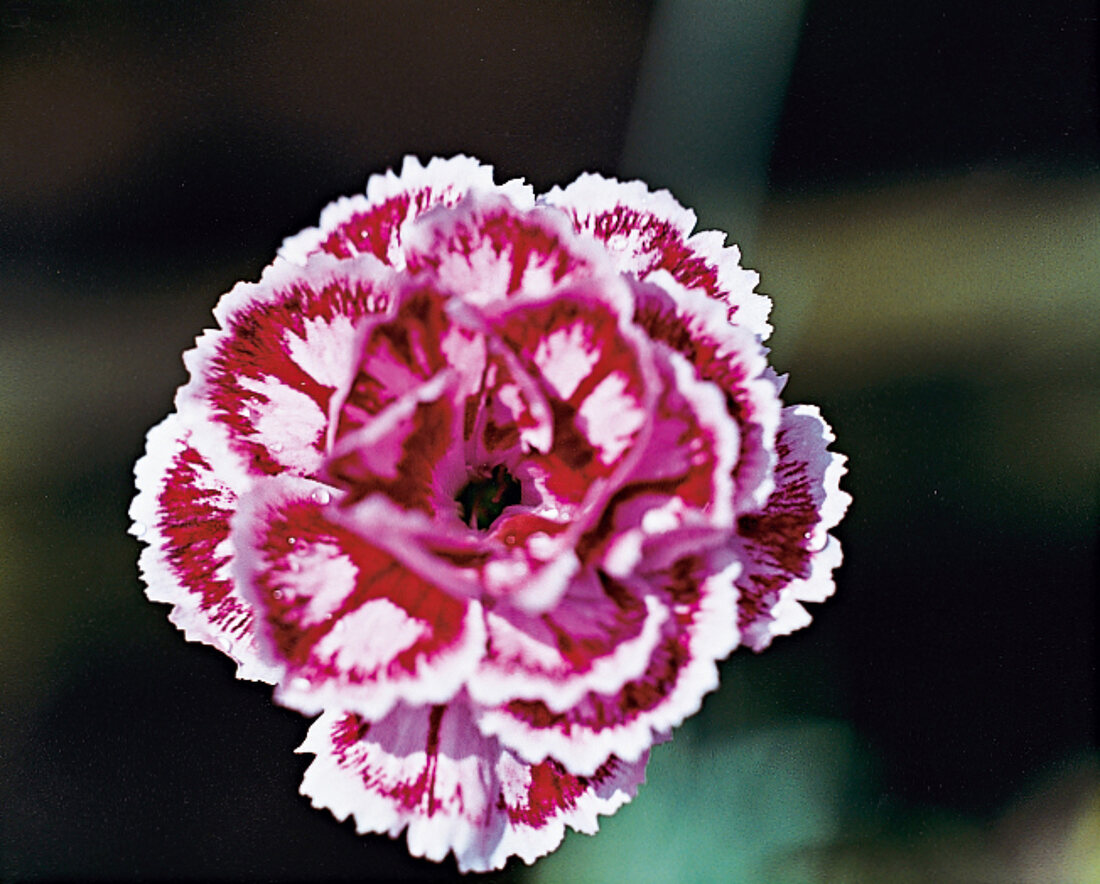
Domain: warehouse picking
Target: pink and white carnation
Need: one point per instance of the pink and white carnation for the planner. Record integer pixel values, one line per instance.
(490, 484)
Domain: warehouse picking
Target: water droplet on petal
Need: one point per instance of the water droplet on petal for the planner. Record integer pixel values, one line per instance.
(290, 541)
(321, 496)
(139, 529)
(300, 684)
(278, 594)
(276, 447)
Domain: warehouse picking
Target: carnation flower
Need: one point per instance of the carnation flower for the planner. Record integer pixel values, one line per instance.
(490, 484)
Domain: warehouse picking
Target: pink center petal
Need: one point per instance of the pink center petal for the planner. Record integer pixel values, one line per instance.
(488, 250)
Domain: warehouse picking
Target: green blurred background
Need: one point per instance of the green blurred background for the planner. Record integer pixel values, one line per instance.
(919, 186)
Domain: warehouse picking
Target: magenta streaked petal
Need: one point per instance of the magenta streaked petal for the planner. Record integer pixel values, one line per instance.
(488, 249)
(600, 635)
(626, 723)
(188, 496)
(519, 562)
(398, 352)
(645, 231)
(730, 357)
(512, 414)
(492, 485)
(411, 451)
(285, 354)
(680, 485)
(429, 771)
(598, 377)
(787, 552)
(350, 625)
(376, 223)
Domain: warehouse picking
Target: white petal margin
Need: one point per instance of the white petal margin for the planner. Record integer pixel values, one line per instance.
(376, 222)
(682, 670)
(429, 771)
(488, 248)
(283, 358)
(188, 490)
(648, 230)
(733, 358)
(808, 487)
(536, 657)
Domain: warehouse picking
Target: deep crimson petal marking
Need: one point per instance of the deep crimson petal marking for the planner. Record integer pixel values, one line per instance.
(183, 513)
(489, 250)
(377, 222)
(597, 377)
(400, 352)
(788, 555)
(600, 635)
(270, 377)
(349, 624)
(410, 452)
(625, 723)
(729, 357)
(646, 232)
(490, 484)
(430, 771)
(678, 489)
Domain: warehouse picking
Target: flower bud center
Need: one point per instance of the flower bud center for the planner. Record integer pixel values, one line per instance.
(483, 498)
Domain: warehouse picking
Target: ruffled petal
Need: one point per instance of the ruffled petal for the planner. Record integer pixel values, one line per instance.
(487, 249)
(285, 354)
(729, 356)
(600, 635)
(376, 223)
(399, 352)
(787, 552)
(627, 722)
(411, 452)
(511, 415)
(646, 231)
(349, 626)
(492, 485)
(428, 770)
(187, 495)
(599, 381)
(678, 494)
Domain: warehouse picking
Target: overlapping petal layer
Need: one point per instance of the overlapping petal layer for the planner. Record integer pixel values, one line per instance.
(429, 770)
(787, 552)
(491, 484)
(648, 702)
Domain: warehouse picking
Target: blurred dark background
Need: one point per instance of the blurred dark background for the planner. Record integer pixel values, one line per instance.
(919, 186)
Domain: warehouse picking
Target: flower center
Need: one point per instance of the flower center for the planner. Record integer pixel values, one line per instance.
(483, 498)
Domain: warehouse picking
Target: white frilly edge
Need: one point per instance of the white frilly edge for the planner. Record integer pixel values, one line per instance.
(482, 844)
(164, 442)
(789, 615)
(712, 637)
(453, 176)
(592, 194)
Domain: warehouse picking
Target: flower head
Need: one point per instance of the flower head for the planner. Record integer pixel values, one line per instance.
(489, 484)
